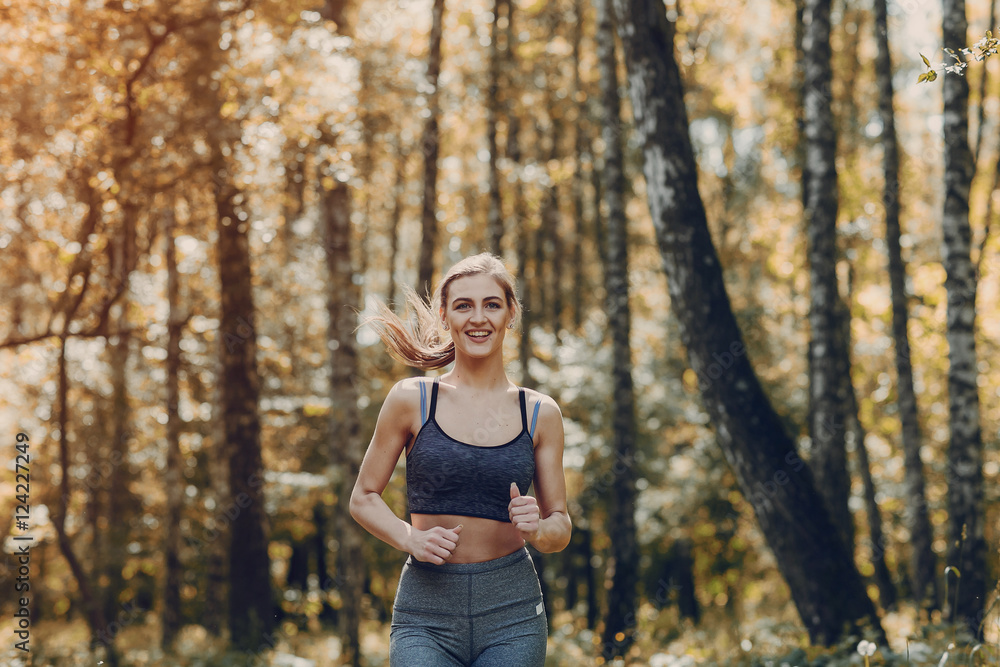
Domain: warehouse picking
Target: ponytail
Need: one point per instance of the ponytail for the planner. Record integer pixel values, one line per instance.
(420, 344)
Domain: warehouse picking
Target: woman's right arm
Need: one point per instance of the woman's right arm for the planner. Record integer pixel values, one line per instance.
(392, 432)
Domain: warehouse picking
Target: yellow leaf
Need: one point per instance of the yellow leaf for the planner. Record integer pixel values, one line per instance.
(926, 62)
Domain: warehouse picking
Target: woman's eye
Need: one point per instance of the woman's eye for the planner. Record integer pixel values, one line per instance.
(493, 305)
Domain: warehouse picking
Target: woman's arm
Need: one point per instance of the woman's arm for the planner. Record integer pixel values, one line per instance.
(392, 432)
(544, 520)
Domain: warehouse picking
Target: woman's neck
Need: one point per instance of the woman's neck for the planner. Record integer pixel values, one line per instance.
(479, 375)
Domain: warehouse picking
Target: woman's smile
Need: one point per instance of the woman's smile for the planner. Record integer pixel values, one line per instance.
(478, 335)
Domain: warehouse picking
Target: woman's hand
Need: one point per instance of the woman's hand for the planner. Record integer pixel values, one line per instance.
(434, 545)
(524, 513)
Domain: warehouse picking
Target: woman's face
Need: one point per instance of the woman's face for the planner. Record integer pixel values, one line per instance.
(477, 314)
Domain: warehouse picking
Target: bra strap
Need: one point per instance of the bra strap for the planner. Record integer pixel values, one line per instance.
(534, 418)
(434, 398)
(423, 402)
(524, 409)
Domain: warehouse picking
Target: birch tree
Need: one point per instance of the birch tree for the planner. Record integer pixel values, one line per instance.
(922, 561)
(818, 567)
(430, 145)
(619, 625)
(966, 541)
(827, 349)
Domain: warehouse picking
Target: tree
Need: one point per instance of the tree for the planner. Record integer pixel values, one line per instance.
(817, 565)
(827, 349)
(619, 625)
(580, 154)
(966, 525)
(347, 448)
(251, 616)
(398, 190)
(856, 432)
(922, 561)
(92, 605)
(429, 146)
(171, 614)
(495, 221)
(520, 210)
(250, 606)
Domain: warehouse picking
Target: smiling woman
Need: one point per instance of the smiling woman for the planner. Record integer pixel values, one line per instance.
(424, 346)
(482, 476)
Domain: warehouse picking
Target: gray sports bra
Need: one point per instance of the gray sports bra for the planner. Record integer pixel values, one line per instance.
(447, 476)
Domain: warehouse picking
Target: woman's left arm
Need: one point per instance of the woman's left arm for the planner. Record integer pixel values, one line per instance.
(543, 520)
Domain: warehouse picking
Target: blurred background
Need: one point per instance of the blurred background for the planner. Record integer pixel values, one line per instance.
(199, 198)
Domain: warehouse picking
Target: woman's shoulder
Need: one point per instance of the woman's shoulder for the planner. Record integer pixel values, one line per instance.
(406, 394)
(547, 405)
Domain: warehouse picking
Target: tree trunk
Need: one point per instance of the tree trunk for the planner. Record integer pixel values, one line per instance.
(878, 542)
(91, 603)
(293, 198)
(800, 125)
(520, 211)
(922, 561)
(549, 241)
(591, 584)
(966, 543)
(981, 104)
(579, 153)
(366, 167)
(251, 614)
(216, 615)
(173, 478)
(343, 302)
(430, 145)
(120, 501)
(818, 567)
(620, 623)
(398, 193)
(320, 546)
(494, 216)
(600, 228)
(827, 349)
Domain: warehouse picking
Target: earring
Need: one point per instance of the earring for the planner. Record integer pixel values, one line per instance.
(445, 326)
(511, 326)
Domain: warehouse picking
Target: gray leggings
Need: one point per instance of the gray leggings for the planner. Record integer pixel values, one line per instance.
(486, 614)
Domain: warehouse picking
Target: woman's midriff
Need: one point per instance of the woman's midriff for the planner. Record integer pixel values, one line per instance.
(480, 539)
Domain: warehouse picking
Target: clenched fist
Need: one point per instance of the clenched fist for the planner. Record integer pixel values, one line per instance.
(524, 513)
(435, 545)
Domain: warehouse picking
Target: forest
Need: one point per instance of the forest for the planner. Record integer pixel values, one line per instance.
(755, 243)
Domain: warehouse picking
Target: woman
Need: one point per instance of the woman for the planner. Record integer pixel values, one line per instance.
(474, 443)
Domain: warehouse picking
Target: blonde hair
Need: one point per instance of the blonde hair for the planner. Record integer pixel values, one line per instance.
(421, 344)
